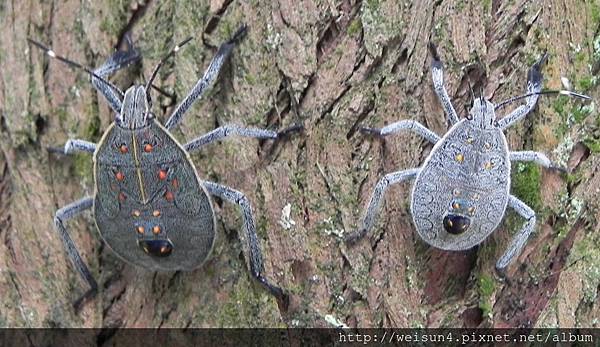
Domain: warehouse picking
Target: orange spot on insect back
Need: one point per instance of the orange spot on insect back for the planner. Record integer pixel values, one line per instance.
(156, 213)
(140, 229)
(119, 176)
(123, 149)
(156, 229)
(148, 148)
(122, 197)
(175, 183)
(162, 175)
(169, 196)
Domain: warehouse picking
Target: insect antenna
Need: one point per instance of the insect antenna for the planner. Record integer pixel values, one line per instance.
(470, 87)
(482, 98)
(161, 63)
(163, 92)
(69, 62)
(543, 92)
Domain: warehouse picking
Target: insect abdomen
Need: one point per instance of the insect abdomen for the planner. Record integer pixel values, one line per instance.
(140, 214)
(465, 179)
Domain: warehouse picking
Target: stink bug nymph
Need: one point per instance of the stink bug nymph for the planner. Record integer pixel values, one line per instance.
(461, 191)
(149, 204)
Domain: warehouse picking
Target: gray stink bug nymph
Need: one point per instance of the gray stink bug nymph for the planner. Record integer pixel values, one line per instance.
(461, 191)
(149, 204)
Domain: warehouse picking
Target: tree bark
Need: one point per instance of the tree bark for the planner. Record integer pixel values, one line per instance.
(332, 66)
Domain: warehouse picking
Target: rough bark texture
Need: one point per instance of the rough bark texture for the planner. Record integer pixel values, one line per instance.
(332, 65)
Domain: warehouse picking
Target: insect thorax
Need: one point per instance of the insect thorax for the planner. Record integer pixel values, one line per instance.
(135, 112)
(482, 114)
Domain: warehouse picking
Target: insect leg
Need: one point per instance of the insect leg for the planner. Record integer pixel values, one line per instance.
(62, 215)
(534, 85)
(518, 241)
(207, 80)
(117, 61)
(73, 146)
(254, 252)
(437, 73)
(400, 126)
(234, 130)
(536, 157)
(382, 185)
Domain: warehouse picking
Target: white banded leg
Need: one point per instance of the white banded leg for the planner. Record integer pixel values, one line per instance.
(375, 202)
(116, 61)
(536, 157)
(210, 76)
(254, 252)
(62, 215)
(74, 146)
(518, 241)
(403, 125)
(227, 131)
(437, 74)
(534, 85)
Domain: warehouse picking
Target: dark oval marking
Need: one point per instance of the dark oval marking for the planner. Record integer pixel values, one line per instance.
(157, 248)
(455, 224)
